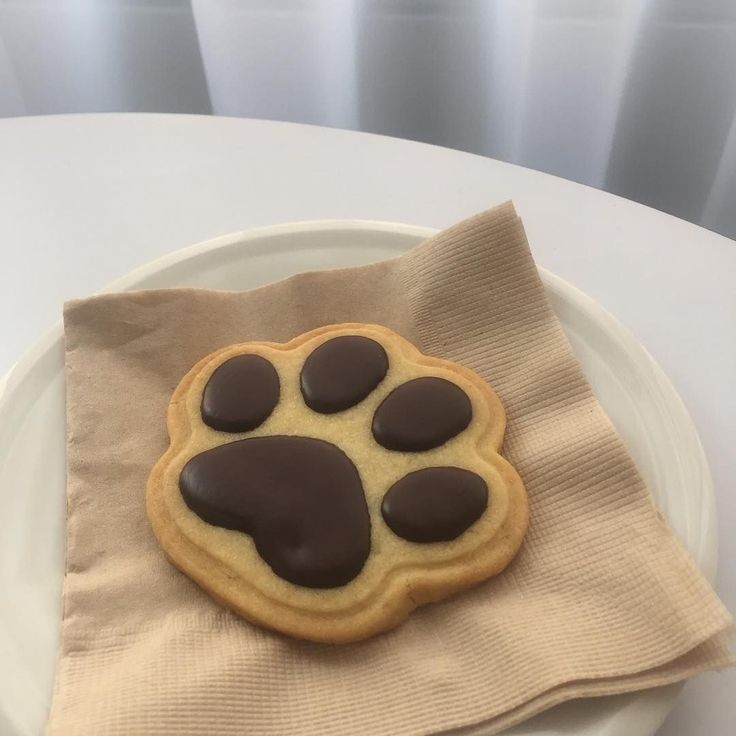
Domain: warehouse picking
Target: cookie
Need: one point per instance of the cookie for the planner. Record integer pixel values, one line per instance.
(328, 486)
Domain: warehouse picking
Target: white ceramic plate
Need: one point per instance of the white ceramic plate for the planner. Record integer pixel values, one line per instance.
(635, 392)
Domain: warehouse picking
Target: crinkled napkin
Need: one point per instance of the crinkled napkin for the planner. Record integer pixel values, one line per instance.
(601, 599)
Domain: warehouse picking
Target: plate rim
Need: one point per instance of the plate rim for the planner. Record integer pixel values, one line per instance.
(648, 708)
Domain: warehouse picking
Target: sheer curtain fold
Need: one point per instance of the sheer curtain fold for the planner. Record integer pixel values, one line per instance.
(634, 96)
(99, 56)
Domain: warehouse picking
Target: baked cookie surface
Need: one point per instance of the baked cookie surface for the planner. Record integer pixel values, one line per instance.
(327, 486)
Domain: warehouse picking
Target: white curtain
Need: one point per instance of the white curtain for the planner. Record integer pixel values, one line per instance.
(634, 96)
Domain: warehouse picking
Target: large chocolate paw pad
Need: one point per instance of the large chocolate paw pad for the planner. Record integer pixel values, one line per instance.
(301, 494)
(300, 499)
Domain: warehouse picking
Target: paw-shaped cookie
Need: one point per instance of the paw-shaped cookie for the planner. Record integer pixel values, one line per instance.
(327, 486)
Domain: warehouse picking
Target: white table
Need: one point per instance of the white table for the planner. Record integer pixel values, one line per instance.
(84, 199)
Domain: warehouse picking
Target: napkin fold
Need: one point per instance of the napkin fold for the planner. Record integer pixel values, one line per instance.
(601, 599)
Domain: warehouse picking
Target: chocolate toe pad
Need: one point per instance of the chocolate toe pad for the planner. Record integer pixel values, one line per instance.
(435, 504)
(341, 372)
(421, 414)
(241, 394)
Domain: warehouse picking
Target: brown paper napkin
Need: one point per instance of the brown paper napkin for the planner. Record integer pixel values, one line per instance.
(601, 599)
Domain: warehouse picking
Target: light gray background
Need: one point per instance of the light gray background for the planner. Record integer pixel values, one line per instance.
(637, 97)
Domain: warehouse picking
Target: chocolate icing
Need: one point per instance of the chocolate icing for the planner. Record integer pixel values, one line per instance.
(300, 499)
(434, 504)
(241, 394)
(421, 414)
(341, 372)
